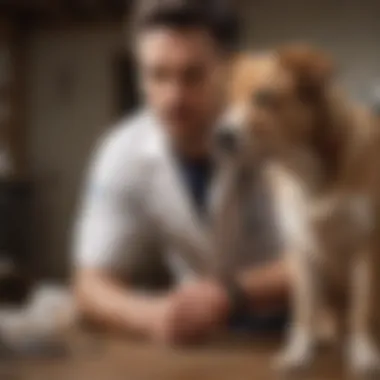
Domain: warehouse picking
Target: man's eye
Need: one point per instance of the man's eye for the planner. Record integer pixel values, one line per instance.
(265, 99)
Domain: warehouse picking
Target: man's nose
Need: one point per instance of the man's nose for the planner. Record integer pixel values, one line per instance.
(227, 140)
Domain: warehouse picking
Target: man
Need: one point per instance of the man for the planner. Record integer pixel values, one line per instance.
(147, 196)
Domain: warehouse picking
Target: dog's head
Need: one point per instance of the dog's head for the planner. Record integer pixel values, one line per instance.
(275, 102)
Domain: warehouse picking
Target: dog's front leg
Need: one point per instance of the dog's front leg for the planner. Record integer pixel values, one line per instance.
(302, 251)
(363, 357)
(305, 302)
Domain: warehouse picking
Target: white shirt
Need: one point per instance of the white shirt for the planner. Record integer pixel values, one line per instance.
(137, 210)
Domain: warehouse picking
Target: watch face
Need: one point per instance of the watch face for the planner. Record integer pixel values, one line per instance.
(238, 299)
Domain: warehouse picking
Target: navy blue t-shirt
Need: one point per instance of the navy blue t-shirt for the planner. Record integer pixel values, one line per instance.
(197, 174)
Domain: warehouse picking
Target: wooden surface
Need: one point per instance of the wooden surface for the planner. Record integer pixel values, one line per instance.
(111, 359)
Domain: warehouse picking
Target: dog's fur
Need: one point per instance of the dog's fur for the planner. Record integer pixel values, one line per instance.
(320, 153)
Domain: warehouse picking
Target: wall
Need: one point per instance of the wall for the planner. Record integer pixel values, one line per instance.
(70, 102)
(349, 29)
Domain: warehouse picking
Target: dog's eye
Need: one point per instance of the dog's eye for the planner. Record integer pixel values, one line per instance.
(265, 98)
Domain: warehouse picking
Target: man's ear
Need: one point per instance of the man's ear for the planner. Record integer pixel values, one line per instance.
(312, 68)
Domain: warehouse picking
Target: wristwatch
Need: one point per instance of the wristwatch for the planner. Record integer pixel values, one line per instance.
(239, 300)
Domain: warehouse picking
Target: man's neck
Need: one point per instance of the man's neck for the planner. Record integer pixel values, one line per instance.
(193, 152)
(199, 148)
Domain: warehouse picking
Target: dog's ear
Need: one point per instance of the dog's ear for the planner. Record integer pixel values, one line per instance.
(311, 68)
(313, 71)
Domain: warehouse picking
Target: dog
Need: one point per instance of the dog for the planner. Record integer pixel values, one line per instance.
(319, 154)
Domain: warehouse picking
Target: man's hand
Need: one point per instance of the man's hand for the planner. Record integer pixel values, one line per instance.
(191, 312)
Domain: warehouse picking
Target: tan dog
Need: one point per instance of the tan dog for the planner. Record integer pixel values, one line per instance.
(320, 155)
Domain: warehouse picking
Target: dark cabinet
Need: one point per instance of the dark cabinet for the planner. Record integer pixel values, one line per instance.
(15, 238)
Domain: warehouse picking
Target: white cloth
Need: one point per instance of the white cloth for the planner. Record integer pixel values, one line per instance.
(136, 205)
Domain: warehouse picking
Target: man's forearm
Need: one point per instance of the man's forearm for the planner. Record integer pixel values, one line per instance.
(107, 303)
(267, 286)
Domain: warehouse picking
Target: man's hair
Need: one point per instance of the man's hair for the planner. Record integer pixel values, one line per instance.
(217, 17)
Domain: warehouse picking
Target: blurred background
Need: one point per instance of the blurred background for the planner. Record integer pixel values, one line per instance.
(66, 74)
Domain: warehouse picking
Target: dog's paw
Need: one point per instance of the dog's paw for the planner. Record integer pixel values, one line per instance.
(297, 356)
(364, 358)
(327, 332)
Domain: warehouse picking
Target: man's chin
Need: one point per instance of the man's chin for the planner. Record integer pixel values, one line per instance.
(184, 130)
(179, 126)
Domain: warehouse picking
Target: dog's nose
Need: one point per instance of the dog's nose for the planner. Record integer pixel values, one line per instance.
(226, 140)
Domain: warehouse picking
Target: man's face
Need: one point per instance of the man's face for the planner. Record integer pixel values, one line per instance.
(182, 76)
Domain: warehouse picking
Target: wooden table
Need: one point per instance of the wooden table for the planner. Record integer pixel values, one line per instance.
(235, 358)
